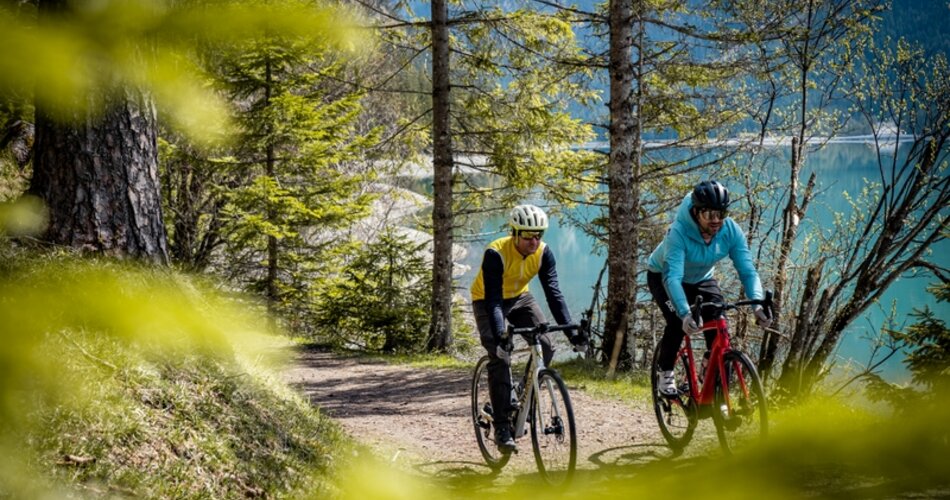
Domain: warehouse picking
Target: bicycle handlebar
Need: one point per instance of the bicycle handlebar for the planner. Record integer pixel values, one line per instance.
(544, 328)
(532, 331)
(699, 304)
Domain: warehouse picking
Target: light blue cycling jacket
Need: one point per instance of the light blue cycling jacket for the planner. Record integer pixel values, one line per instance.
(683, 257)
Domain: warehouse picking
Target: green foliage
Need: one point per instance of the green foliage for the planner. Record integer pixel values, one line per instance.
(927, 343)
(279, 199)
(115, 44)
(380, 300)
(929, 338)
(511, 93)
(16, 141)
(25, 216)
(144, 383)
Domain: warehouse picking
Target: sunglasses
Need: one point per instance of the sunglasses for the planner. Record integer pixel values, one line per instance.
(531, 235)
(710, 214)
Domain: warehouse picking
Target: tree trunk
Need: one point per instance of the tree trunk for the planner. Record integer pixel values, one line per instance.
(440, 328)
(98, 175)
(621, 249)
(97, 172)
(270, 166)
(791, 216)
(809, 315)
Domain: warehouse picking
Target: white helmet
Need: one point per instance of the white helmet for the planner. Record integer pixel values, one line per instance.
(528, 217)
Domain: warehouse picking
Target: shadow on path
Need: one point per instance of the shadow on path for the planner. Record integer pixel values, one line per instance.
(419, 419)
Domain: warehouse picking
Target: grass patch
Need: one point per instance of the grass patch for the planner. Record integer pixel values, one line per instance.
(129, 382)
(439, 361)
(589, 376)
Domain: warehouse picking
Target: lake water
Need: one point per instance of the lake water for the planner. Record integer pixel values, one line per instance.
(840, 167)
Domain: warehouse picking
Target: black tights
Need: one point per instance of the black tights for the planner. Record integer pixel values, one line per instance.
(522, 311)
(673, 332)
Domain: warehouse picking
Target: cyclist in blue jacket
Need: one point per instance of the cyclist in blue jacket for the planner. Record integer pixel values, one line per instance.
(682, 267)
(500, 292)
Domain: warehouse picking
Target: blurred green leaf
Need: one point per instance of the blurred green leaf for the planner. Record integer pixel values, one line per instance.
(110, 44)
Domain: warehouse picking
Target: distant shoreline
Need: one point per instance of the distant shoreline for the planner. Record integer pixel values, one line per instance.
(884, 139)
(474, 164)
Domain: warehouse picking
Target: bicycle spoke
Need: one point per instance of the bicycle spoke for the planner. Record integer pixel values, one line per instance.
(741, 411)
(675, 416)
(483, 418)
(553, 434)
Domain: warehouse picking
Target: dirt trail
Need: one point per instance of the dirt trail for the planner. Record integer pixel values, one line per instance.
(419, 418)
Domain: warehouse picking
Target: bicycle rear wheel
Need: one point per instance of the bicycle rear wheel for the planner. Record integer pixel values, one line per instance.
(483, 418)
(676, 415)
(741, 410)
(553, 433)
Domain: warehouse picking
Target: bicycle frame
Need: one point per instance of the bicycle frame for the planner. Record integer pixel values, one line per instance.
(527, 399)
(716, 364)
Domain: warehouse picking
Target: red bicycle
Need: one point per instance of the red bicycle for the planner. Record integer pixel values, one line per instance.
(729, 391)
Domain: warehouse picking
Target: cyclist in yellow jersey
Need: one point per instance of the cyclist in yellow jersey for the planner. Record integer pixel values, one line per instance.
(500, 293)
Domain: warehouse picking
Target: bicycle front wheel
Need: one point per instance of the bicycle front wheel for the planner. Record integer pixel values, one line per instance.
(676, 415)
(484, 419)
(741, 410)
(553, 433)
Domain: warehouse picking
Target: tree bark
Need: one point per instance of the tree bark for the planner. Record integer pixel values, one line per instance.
(97, 172)
(270, 169)
(440, 328)
(621, 249)
(98, 175)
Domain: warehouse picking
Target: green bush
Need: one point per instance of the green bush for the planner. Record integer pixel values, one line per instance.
(380, 301)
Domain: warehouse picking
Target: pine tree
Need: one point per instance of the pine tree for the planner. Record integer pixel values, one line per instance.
(296, 179)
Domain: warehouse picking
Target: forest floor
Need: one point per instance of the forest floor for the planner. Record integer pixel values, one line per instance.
(418, 419)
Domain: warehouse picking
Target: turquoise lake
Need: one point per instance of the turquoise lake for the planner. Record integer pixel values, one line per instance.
(840, 167)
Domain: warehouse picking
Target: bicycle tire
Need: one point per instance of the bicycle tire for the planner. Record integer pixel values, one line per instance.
(482, 418)
(553, 430)
(677, 417)
(746, 419)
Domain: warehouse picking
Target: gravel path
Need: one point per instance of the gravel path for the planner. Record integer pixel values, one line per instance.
(419, 418)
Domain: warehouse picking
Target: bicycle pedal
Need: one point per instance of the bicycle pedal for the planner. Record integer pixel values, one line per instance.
(732, 422)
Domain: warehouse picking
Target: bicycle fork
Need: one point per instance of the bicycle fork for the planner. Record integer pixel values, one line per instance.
(526, 398)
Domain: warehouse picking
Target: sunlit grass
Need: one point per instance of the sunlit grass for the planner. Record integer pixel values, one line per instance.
(591, 377)
(587, 375)
(431, 361)
(119, 380)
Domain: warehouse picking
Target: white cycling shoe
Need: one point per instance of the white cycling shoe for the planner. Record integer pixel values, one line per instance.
(666, 384)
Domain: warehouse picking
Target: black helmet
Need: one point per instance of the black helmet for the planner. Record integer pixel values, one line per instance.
(710, 194)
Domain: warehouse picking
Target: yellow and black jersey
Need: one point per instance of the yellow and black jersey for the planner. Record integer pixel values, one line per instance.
(505, 274)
